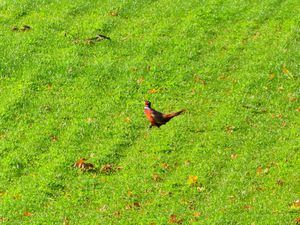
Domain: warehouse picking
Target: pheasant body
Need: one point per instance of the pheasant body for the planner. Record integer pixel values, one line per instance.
(157, 118)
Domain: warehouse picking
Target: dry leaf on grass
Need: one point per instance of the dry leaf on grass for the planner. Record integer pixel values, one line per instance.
(153, 91)
(27, 213)
(83, 165)
(110, 168)
(280, 182)
(285, 70)
(173, 219)
(197, 214)
(156, 177)
(114, 13)
(233, 156)
(271, 76)
(297, 220)
(292, 99)
(296, 204)
(259, 170)
(192, 180)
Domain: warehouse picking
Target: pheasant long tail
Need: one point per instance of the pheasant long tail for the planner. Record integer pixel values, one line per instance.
(173, 114)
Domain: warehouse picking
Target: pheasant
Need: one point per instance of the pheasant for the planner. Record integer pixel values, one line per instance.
(157, 118)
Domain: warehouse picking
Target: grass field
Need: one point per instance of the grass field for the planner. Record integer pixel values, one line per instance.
(232, 158)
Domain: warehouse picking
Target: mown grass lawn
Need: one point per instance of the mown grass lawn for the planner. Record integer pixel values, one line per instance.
(232, 158)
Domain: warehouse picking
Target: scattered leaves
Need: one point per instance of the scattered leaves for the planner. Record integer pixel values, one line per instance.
(107, 168)
(192, 180)
(271, 76)
(200, 189)
(3, 219)
(259, 170)
(15, 28)
(229, 129)
(27, 213)
(54, 138)
(298, 109)
(49, 87)
(140, 80)
(117, 214)
(292, 99)
(114, 13)
(153, 91)
(233, 156)
(165, 166)
(129, 193)
(280, 182)
(285, 70)
(297, 220)
(83, 165)
(247, 207)
(197, 214)
(156, 178)
(173, 219)
(135, 205)
(296, 204)
(165, 193)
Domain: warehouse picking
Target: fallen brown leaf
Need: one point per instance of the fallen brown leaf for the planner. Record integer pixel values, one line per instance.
(14, 28)
(114, 13)
(247, 207)
(285, 70)
(280, 182)
(156, 177)
(192, 180)
(173, 219)
(107, 168)
(137, 204)
(197, 214)
(27, 213)
(54, 139)
(297, 220)
(165, 165)
(259, 170)
(233, 156)
(271, 76)
(200, 189)
(165, 193)
(296, 204)
(153, 91)
(83, 165)
(292, 99)
(49, 87)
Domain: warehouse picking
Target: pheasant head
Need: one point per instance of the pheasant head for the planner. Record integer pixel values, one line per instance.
(148, 104)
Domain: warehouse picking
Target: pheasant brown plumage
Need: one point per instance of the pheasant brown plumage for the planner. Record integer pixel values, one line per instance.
(157, 118)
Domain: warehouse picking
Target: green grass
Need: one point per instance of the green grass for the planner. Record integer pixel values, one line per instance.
(234, 65)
